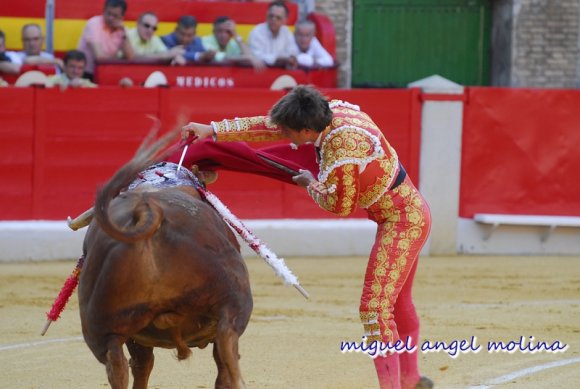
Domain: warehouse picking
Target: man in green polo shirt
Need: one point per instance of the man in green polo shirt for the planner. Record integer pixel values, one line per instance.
(228, 45)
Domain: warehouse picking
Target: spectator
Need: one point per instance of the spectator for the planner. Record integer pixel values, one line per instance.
(310, 52)
(228, 45)
(104, 36)
(75, 62)
(8, 61)
(147, 45)
(32, 54)
(271, 41)
(184, 35)
(305, 8)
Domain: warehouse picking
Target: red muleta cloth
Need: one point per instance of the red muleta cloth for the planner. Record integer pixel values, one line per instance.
(240, 157)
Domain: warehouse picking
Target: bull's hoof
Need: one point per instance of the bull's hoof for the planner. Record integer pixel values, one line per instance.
(424, 383)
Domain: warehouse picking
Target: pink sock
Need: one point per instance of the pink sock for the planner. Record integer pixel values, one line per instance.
(408, 326)
(388, 371)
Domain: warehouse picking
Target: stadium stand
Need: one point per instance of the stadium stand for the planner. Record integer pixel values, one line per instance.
(71, 16)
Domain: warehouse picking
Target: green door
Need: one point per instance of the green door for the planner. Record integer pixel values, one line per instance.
(399, 41)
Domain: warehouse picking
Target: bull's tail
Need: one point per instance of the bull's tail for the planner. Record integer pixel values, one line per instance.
(147, 214)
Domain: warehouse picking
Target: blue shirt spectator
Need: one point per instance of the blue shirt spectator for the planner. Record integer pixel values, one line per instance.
(184, 35)
(7, 59)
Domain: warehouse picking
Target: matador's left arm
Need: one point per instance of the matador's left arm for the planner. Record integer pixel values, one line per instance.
(249, 129)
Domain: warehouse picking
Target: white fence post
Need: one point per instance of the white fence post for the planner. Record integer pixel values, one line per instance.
(440, 161)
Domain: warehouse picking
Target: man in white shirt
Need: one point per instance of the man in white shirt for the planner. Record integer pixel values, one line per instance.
(273, 42)
(32, 41)
(311, 54)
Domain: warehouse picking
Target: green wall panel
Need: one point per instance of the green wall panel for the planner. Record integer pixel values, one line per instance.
(397, 42)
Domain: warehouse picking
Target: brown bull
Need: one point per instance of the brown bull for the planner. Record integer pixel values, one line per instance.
(161, 269)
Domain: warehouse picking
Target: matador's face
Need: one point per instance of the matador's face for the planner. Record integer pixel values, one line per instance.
(300, 137)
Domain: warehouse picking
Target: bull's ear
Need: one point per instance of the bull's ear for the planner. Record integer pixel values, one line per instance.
(209, 176)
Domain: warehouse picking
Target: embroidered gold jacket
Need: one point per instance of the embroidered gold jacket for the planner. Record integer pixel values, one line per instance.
(357, 164)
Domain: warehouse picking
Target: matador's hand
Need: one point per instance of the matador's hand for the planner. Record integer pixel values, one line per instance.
(304, 178)
(202, 131)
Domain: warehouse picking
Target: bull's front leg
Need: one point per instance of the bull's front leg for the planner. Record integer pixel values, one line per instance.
(116, 364)
(142, 360)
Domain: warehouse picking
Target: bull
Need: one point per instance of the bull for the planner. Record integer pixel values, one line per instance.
(161, 269)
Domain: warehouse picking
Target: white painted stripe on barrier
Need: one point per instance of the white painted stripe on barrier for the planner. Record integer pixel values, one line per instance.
(524, 372)
(515, 240)
(50, 240)
(39, 343)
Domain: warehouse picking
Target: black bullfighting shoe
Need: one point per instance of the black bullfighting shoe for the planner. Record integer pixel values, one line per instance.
(424, 383)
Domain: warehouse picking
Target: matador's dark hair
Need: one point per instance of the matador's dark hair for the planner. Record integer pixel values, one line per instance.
(304, 107)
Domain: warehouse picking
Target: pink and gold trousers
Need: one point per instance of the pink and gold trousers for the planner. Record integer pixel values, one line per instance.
(386, 306)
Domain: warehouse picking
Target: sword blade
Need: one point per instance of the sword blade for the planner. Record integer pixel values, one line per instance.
(278, 165)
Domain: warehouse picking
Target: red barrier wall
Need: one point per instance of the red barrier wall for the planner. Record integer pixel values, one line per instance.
(79, 145)
(17, 108)
(58, 146)
(520, 152)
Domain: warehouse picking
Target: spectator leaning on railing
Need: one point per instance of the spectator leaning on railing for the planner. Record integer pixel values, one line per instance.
(32, 54)
(147, 45)
(310, 52)
(228, 45)
(104, 36)
(74, 67)
(8, 63)
(185, 35)
(272, 41)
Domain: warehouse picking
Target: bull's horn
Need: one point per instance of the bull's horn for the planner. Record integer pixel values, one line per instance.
(83, 220)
